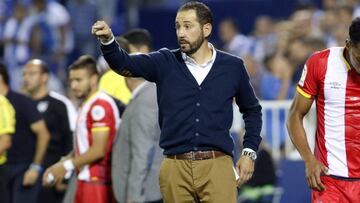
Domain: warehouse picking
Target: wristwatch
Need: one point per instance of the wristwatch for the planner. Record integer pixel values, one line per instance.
(250, 154)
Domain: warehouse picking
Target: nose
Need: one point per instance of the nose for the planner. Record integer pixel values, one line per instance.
(180, 32)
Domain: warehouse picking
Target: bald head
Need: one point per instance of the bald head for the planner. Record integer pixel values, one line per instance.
(39, 63)
(35, 77)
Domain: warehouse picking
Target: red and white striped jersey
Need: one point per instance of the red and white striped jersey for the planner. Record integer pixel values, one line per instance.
(335, 85)
(98, 113)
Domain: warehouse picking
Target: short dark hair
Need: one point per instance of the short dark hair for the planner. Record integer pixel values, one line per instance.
(203, 12)
(85, 62)
(139, 37)
(124, 43)
(4, 74)
(354, 31)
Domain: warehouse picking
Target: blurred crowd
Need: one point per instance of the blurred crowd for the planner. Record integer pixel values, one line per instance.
(276, 50)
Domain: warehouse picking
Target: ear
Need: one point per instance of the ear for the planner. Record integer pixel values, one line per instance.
(45, 77)
(207, 29)
(94, 80)
(347, 44)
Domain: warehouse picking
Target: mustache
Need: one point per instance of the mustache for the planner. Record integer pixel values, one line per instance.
(183, 41)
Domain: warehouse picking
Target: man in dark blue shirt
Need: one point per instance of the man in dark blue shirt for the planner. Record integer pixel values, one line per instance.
(29, 144)
(196, 85)
(60, 118)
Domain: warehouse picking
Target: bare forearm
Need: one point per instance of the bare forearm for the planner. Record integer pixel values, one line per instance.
(5, 143)
(298, 136)
(88, 157)
(42, 142)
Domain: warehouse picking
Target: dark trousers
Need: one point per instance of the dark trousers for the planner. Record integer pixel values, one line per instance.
(50, 194)
(19, 193)
(4, 192)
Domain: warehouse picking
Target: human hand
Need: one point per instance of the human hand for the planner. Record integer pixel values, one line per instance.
(60, 187)
(102, 31)
(245, 168)
(313, 169)
(30, 177)
(54, 174)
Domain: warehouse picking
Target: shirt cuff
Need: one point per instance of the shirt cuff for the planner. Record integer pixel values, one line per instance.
(109, 42)
(248, 150)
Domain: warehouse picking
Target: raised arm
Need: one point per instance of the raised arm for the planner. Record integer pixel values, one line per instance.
(140, 65)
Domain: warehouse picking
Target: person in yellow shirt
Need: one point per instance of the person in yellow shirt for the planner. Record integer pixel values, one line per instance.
(113, 83)
(7, 127)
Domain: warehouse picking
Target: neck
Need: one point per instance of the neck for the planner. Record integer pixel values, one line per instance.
(134, 84)
(203, 54)
(92, 92)
(4, 89)
(41, 93)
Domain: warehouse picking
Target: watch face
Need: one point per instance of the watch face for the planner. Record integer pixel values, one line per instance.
(252, 155)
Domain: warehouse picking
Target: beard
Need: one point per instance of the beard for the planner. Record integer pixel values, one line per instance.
(193, 47)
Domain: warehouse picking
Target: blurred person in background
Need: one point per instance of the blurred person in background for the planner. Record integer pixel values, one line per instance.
(264, 36)
(136, 153)
(83, 13)
(7, 128)
(298, 51)
(29, 144)
(60, 118)
(196, 85)
(17, 34)
(344, 15)
(54, 21)
(331, 78)
(327, 23)
(233, 40)
(96, 129)
(276, 81)
(255, 71)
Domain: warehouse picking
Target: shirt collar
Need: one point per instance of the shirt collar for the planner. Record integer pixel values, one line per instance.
(188, 59)
(136, 91)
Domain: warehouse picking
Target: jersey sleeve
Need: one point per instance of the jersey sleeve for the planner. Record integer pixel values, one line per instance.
(101, 116)
(308, 85)
(7, 118)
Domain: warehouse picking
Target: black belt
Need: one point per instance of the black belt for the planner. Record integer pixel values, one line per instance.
(344, 178)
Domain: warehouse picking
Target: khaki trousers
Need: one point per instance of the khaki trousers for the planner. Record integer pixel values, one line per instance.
(205, 181)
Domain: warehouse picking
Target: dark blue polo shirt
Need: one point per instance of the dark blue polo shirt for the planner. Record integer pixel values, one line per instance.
(23, 145)
(194, 117)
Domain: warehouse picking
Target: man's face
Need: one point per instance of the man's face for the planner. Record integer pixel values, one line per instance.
(80, 83)
(226, 31)
(33, 77)
(189, 32)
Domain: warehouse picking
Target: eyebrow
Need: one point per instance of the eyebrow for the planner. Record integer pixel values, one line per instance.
(186, 21)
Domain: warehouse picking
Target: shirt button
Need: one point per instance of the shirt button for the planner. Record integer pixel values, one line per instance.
(197, 104)
(196, 134)
(197, 120)
(200, 88)
(195, 148)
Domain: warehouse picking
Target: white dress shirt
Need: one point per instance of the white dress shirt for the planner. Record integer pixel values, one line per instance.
(199, 71)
